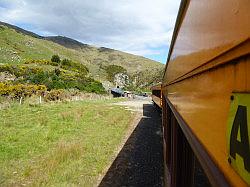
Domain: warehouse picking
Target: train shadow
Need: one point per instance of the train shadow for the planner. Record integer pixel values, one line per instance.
(140, 161)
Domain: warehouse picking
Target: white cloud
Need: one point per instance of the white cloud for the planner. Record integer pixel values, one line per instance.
(136, 26)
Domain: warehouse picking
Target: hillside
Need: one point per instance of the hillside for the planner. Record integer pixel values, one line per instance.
(68, 42)
(18, 45)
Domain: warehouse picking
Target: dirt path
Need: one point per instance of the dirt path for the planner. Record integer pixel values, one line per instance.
(140, 160)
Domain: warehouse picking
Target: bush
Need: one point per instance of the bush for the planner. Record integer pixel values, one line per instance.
(43, 62)
(74, 66)
(54, 95)
(21, 90)
(56, 79)
(66, 62)
(90, 85)
(50, 79)
(95, 87)
(56, 58)
(20, 70)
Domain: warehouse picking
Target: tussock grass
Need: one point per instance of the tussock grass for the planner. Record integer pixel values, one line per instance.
(59, 144)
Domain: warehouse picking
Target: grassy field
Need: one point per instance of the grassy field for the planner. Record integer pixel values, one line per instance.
(59, 144)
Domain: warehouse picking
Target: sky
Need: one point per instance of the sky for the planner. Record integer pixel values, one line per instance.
(140, 27)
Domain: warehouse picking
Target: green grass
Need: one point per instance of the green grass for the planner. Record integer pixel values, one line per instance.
(59, 144)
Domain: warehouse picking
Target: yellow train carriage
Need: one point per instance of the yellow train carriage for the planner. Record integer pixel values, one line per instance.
(156, 95)
(206, 95)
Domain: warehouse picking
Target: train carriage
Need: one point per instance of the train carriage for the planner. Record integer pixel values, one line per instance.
(156, 95)
(206, 95)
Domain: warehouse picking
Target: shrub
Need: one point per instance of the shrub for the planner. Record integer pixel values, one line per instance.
(20, 70)
(21, 90)
(69, 75)
(55, 58)
(95, 87)
(43, 62)
(38, 78)
(90, 85)
(56, 79)
(66, 62)
(74, 66)
(50, 79)
(54, 95)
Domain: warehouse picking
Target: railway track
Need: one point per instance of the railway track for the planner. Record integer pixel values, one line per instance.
(140, 161)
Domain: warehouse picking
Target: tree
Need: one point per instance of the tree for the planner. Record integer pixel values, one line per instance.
(55, 58)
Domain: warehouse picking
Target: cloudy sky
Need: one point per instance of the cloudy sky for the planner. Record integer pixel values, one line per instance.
(142, 27)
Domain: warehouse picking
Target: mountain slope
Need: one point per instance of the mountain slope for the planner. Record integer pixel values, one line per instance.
(18, 45)
(68, 42)
(20, 30)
